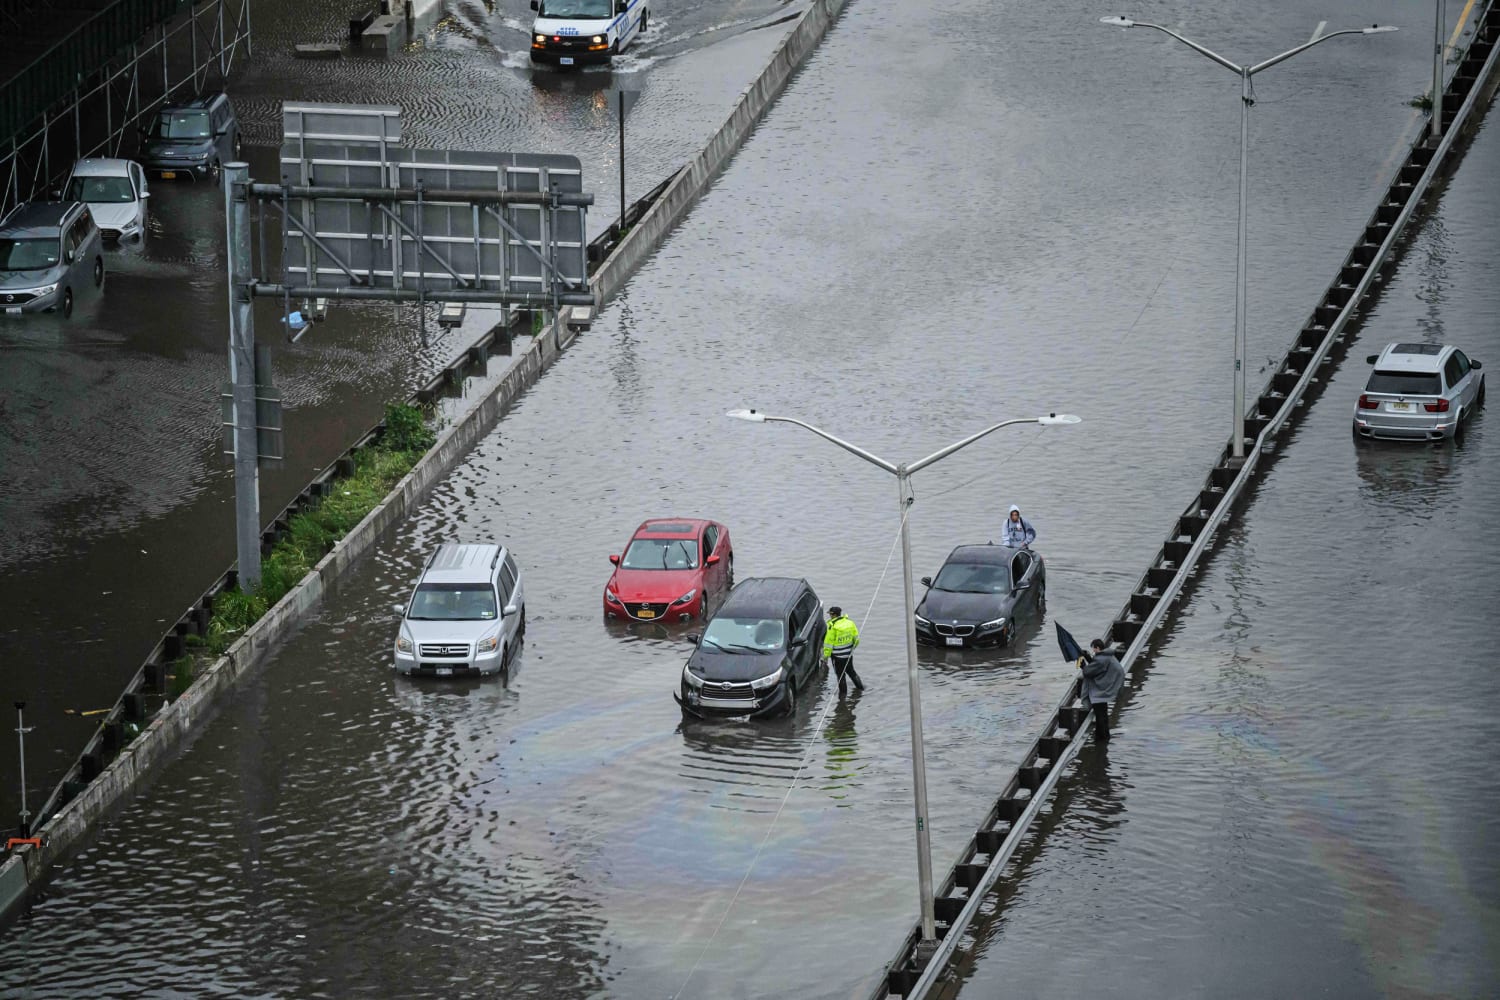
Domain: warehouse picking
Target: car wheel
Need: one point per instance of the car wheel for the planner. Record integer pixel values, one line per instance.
(1458, 428)
(67, 303)
(791, 697)
(1479, 399)
(213, 171)
(98, 272)
(521, 626)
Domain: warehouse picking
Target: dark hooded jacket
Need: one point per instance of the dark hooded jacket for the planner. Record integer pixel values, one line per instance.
(1103, 677)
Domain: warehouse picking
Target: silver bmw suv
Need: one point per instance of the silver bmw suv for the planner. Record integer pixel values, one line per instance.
(466, 615)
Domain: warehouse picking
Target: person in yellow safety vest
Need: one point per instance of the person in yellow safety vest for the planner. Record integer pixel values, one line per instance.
(838, 647)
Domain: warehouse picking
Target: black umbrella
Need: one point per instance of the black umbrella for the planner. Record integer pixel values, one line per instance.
(1071, 651)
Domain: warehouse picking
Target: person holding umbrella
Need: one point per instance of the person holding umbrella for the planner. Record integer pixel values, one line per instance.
(1103, 677)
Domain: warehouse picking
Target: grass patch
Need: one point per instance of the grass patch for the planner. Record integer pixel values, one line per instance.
(312, 533)
(1423, 102)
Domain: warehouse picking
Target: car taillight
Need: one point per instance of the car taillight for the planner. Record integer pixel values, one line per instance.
(1366, 403)
(1441, 406)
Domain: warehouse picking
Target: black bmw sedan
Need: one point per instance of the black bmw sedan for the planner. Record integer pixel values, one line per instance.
(979, 595)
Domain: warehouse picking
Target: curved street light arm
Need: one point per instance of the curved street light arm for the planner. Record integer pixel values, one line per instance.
(1267, 64)
(945, 452)
(1203, 50)
(853, 449)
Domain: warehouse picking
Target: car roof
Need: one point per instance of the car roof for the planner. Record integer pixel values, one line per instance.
(997, 554)
(1423, 358)
(672, 527)
(101, 167)
(195, 104)
(462, 562)
(37, 219)
(763, 595)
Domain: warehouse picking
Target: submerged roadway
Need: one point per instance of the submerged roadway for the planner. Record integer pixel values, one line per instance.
(911, 245)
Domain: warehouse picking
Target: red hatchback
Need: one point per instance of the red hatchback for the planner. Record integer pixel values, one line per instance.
(674, 568)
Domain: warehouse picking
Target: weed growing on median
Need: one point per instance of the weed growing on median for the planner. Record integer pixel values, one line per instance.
(314, 531)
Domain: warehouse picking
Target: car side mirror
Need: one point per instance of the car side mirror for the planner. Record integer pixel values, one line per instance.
(509, 610)
(1370, 358)
(615, 559)
(694, 638)
(535, 5)
(222, 131)
(797, 643)
(55, 195)
(620, 6)
(399, 609)
(1476, 365)
(145, 195)
(712, 561)
(68, 256)
(926, 581)
(1020, 587)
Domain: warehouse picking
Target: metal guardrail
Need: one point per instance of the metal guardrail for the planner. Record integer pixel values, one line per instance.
(1223, 489)
(75, 56)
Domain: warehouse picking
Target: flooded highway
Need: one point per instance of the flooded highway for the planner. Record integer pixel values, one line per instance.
(1303, 794)
(116, 505)
(912, 245)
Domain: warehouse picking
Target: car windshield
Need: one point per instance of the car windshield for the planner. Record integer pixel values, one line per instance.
(973, 578)
(182, 125)
(1404, 383)
(744, 635)
(453, 602)
(28, 255)
(661, 553)
(581, 9)
(100, 190)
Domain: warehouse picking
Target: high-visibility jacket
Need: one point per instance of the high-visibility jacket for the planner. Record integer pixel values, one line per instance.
(842, 637)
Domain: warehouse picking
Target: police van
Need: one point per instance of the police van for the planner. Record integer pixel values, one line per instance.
(577, 32)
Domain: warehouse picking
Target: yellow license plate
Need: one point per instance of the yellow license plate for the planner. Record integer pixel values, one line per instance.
(169, 175)
(646, 614)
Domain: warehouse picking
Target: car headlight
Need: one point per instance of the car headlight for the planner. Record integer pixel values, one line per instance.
(488, 644)
(598, 39)
(691, 679)
(612, 597)
(921, 620)
(539, 39)
(768, 681)
(403, 643)
(687, 597)
(130, 226)
(993, 624)
(43, 290)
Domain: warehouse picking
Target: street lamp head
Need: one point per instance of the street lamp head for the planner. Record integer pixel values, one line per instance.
(1118, 22)
(1378, 29)
(750, 415)
(1058, 419)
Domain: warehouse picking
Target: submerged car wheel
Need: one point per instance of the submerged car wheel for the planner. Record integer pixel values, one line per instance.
(791, 698)
(213, 171)
(1479, 399)
(98, 272)
(67, 303)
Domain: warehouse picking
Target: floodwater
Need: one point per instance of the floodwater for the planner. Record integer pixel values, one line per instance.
(918, 240)
(1303, 798)
(116, 505)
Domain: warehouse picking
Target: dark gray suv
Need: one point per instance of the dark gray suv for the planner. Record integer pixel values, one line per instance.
(194, 139)
(47, 251)
(759, 650)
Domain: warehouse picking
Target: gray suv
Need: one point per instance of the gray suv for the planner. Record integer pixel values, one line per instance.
(466, 615)
(194, 139)
(47, 251)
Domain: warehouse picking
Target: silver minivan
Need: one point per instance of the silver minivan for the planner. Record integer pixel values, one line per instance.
(466, 615)
(48, 250)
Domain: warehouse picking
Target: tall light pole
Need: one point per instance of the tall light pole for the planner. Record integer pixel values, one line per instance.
(1247, 98)
(903, 474)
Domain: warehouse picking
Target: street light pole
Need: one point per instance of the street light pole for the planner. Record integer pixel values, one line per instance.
(1247, 98)
(903, 474)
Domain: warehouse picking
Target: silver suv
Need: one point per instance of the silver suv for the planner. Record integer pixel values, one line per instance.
(48, 249)
(466, 615)
(1419, 392)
